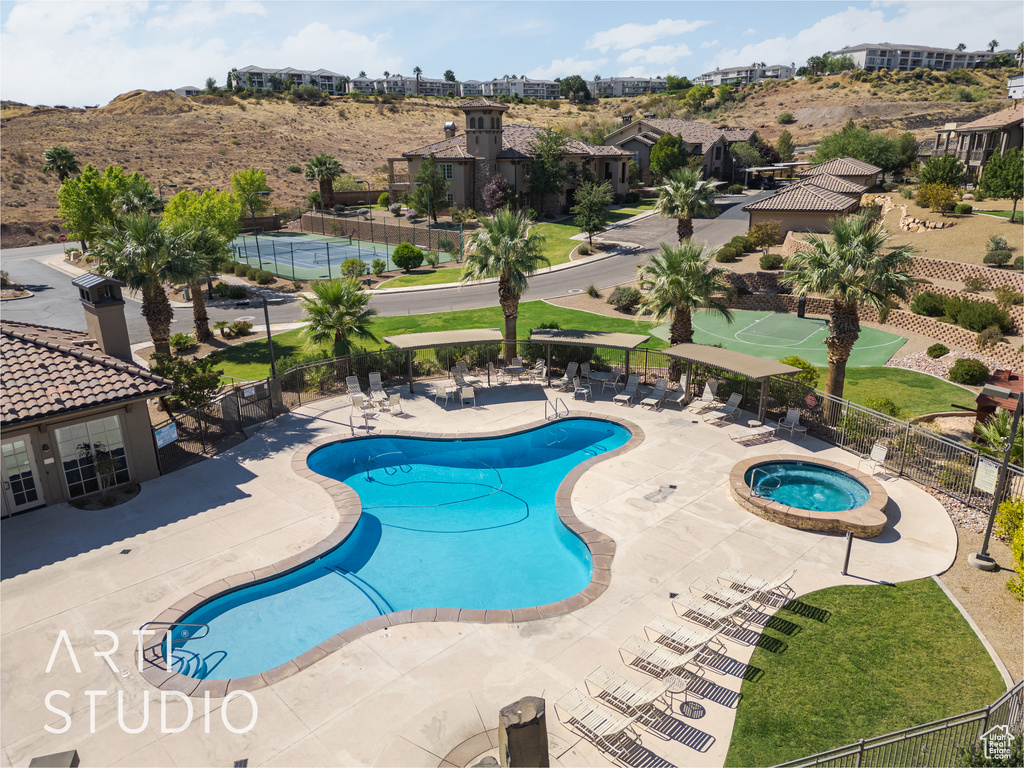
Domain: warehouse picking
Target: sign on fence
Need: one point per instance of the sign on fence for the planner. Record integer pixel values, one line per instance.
(987, 476)
(248, 391)
(811, 400)
(166, 434)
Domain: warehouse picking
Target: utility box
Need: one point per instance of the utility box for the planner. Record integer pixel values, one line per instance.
(523, 734)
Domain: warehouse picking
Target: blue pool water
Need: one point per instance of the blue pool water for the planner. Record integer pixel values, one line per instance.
(807, 486)
(446, 524)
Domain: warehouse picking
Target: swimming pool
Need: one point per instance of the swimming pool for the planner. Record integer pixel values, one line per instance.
(466, 523)
(807, 485)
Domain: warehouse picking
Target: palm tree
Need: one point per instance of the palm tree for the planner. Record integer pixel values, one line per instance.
(505, 248)
(207, 247)
(138, 253)
(684, 196)
(961, 47)
(137, 197)
(992, 45)
(679, 280)
(993, 434)
(849, 268)
(61, 161)
(337, 313)
(417, 71)
(325, 169)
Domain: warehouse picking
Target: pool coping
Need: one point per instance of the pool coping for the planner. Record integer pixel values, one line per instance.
(865, 522)
(346, 500)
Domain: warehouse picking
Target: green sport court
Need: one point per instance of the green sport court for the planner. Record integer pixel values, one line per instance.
(775, 335)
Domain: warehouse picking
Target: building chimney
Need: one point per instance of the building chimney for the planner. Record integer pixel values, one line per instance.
(648, 115)
(627, 119)
(449, 129)
(104, 314)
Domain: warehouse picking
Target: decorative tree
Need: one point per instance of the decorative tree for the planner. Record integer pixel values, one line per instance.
(430, 191)
(60, 160)
(1004, 177)
(496, 192)
(684, 196)
(325, 169)
(668, 154)
(338, 313)
(784, 146)
(547, 173)
(245, 184)
(591, 209)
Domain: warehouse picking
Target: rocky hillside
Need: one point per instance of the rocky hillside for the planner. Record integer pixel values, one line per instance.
(199, 142)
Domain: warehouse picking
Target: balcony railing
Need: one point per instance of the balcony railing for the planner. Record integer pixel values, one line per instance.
(978, 156)
(398, 178)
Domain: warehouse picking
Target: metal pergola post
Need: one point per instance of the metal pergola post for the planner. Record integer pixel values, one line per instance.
(548, 347)
(762, 405)
(409, 358)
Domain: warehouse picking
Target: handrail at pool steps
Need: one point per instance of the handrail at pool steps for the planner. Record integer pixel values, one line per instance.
(363, 587)
(170, 625)
(754, 486)
(554, 409)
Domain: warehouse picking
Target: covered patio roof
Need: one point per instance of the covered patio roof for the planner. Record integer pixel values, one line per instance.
(757, 368)
(587, 338)
(408, 342)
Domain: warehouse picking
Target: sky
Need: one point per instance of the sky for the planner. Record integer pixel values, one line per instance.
(80, 52)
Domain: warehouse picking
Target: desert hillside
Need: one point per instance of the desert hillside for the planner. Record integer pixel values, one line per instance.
(199, 142)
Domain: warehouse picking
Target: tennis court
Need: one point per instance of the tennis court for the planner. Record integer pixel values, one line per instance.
(305, 256)
(775, 335)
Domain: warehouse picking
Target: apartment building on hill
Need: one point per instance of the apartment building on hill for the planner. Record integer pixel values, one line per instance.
(613, 87)
(746, 75)
(903, 58)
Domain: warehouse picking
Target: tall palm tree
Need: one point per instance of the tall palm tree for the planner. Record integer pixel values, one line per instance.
(961, 47)
(325, 169)
(206, 247)
(849, 268)
(138, 197)
(140, 254)
(679, 280)
(61, 161)
(337, 313)
(684, 196)
(992, 45)
(505, 248)
(417, 71)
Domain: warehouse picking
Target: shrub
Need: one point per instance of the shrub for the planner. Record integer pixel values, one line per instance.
(407, 256)
(907, 192)
(242, 270)
(625, 298)
(353, 268)
(432, 258)
(743, 243)
(592, 291)
(1018, 263)
(1007, 297)
(384, 201)
(937, 350)
(378, 267)
(978, 315)
(968, 371)
(221, 290)
(339, 208)
(990, 337)
(996, 243)
(181, 341)
(726, 254)
(583, 250)
(764, 235)
(886, 406)
(297, 285)
(963, 208)
(240, 328)
(411, 214)
(772, 261)
(396, 209)
(237, 292)
(786, 118)
(976, 284)
(262, 277)
(531, 214)
(227, 268)
(735, 189)
(293, 168)
(929, 304)
(999, 258)
(810, 373)
(195, 381)
(890, 186)
(1009, 526)
(937, 196)
(222, 326)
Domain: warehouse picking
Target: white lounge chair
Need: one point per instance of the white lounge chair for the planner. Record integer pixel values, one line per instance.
(727, 412)
(629, 392)
(377, 394)
(679, 638)
(792, 423)
(657, 395)
(875, 459)
(468, 393)
(394, 404)
(570, 373)
(657, 660)
(461, 365)
(707, 399)
(632, 699)
(677, 396)
(579, 388)
(352, 384)
(496, 374)
(606, 729)
(704, 612)
(539, 372)
(585, 371)
(768, 591)
(756, 434)
(717, 593)
(613, 381)
(460, 378)
(443, 390)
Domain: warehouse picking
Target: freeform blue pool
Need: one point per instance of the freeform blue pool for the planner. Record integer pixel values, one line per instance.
(807, 486)
(466, 523)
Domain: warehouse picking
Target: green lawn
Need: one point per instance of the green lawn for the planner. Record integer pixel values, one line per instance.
(915, 393)
(621, 214)
(557, 241)
(886, 658)
(249, 361)
(426, 276)
(1003, 214)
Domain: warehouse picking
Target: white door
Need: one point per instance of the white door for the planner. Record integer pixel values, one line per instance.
(21, 489)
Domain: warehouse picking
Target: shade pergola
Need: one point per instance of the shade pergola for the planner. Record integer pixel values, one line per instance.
(757, 368)
(410, 342)
(624, 341)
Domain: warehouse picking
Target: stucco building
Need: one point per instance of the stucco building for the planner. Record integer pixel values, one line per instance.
(903, 58)
(975, 142)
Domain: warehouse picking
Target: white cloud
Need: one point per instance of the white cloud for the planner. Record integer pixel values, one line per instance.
(750, 31)
(349, 51)
(199, 14)
(587, 68)
(661, 55)
(634, 35)
(709, 44)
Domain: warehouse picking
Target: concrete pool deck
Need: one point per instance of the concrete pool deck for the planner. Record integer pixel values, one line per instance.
(413, 694)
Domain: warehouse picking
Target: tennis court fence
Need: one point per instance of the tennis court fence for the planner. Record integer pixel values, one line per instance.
(442, 238)
(915, 453)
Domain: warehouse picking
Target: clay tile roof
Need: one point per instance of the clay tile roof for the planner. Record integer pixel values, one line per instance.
(842, 166)
(518, 142)
(833, 184)
(804, 198)
(1000, 119)
(647, 137)
(50, 371)
(688, 130)
(447, 149)
(738, 134)
(478, 103)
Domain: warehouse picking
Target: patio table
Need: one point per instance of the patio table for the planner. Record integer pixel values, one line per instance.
(514, 370)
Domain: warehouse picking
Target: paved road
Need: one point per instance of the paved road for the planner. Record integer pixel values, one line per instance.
(56, 303)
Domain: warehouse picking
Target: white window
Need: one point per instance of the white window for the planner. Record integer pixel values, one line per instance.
(84, 446)
(451, 199)
(447, 171)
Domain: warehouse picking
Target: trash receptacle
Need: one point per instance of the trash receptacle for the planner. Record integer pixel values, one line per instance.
(801, 306)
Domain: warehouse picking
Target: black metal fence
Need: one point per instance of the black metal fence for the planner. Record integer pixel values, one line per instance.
(943, 742)
(914, 452)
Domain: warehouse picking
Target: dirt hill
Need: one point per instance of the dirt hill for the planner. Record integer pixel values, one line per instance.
(199, 142)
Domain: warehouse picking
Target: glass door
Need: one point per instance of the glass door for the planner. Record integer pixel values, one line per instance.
(21, 490)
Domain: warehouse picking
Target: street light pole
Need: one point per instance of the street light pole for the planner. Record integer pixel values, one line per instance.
(982, 559)
(169, 186)
(369, 206)
(270, 341)
(252, 212)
